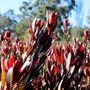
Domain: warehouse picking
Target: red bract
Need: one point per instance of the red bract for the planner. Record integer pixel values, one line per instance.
(62, 56)
(7, 34)
(66, 25)
(86, 34)
(59, 55)
(53, 18)
(51, 22)
(56, 54)
(8, 63)
(11, 61)
(55, 70)
(66, 22)
(69, 48)
(40, 24)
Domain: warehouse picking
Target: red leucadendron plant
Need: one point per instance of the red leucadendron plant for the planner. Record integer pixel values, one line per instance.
(39, 63)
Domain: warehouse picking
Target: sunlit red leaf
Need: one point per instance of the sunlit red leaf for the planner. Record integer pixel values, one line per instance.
(62, 57)
(56, 70)
(68, 60)
(86, 34)
(11, 61)
(56, 54)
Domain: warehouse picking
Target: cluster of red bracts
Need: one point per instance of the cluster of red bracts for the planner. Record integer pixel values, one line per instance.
(65, 64)
(22, 60)
(38, 63)
(66, 24)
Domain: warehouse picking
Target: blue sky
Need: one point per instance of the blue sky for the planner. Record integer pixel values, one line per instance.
(10, 4)
(78, 16)
(82, 11)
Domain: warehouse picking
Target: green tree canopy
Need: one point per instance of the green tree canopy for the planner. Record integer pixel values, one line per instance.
(7, 21)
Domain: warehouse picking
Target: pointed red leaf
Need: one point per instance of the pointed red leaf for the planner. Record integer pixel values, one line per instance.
(11, 61)
(61, 56)
(56, 54)
(77, 59)
(56, 69)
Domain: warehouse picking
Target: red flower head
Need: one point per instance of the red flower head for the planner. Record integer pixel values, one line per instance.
(66, 22)
(51, 21)
(86, 35)
(40, 24)
(66, 25)
(7, 36)
(53, 18)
